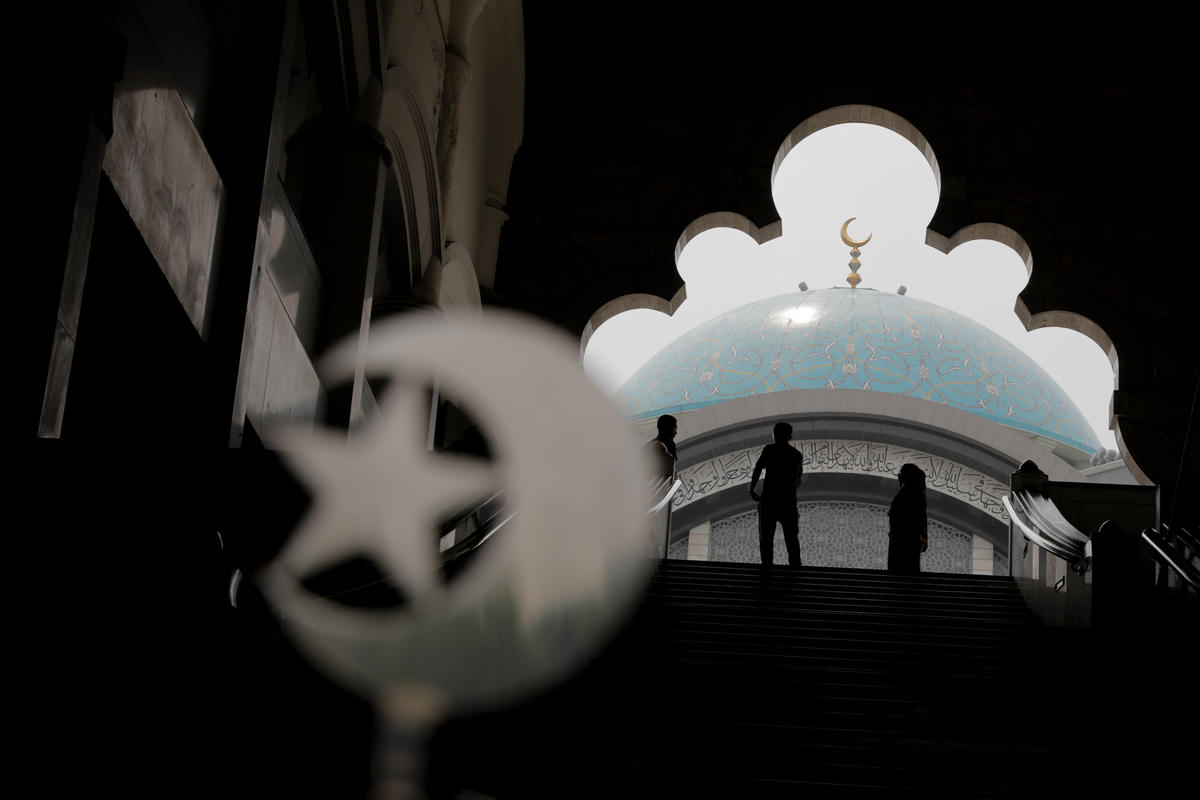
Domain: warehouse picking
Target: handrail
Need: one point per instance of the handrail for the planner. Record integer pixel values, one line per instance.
(1045, 516)
(1040, 521)
(1168, 553)
(667, 485)
(486, 529)
(477, 537)
(464, 513)
(666, 498)
(1182, 535)
(1047, 513)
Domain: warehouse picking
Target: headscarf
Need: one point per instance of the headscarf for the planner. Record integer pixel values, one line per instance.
(910, 499)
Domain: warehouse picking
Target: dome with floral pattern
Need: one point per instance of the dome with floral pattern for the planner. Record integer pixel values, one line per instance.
(856, 339)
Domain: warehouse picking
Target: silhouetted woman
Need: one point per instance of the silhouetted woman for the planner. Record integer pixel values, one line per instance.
(908, 525)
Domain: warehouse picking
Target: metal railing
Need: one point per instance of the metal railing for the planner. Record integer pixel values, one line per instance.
(662, 490)
(1176, 549)
(665, 488)
(1040, 522)
(474, 524)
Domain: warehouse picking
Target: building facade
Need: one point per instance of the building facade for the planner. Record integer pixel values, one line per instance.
(869, 380)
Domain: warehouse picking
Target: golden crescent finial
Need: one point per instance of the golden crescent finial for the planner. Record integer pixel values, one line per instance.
(846, 237)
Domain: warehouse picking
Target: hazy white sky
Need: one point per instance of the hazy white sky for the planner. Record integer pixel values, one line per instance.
(875, 175)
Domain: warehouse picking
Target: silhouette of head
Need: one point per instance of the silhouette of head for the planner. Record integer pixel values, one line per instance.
(783, 432)
(668, 426)
(911, 475)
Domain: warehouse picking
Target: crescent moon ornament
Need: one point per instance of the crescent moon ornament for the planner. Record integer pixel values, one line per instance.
(846, 236)
(853, 278)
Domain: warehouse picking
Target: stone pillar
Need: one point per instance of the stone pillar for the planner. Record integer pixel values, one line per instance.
(982, 553)
(698, 542)
(61, 282)
(337, 172)
(458, 72)
(66, 322)
(422, 297)
(494, 217)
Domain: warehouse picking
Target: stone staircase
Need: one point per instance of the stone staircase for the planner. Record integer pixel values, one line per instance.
(739, 681)
(845, 683)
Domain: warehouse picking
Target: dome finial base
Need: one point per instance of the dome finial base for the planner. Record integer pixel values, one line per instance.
(853, 278)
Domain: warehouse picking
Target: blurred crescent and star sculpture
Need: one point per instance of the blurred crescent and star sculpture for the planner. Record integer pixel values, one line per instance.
(545, 592)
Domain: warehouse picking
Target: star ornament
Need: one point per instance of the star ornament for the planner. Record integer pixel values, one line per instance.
(378, 495)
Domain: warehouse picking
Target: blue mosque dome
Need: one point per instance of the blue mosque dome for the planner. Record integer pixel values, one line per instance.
(856, 339)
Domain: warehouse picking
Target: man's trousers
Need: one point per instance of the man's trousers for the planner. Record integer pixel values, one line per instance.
(789, 518)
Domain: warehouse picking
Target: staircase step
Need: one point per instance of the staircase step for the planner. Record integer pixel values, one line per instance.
(838, 682)
(945, 619)
(729, 571)
(739, 681)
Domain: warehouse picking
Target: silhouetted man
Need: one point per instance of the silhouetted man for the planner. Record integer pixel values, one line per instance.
(663, 446)
(668, 426)
(777, 504)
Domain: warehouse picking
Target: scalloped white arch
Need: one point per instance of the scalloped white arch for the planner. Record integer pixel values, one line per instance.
(871, 115)
(628, 302)
(992, 231)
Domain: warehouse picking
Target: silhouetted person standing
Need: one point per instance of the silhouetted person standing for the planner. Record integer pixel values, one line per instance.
(668, 426)
(777, 504)
(907, 522)
(663, 445)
